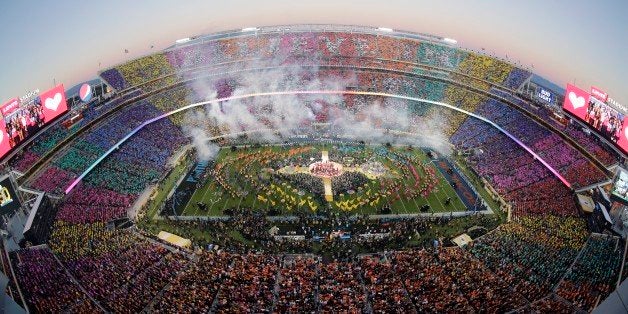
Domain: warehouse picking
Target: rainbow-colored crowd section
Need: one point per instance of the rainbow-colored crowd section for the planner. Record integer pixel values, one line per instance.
(545, 259)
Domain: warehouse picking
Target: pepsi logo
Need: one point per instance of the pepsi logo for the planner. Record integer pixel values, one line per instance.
(85, 93)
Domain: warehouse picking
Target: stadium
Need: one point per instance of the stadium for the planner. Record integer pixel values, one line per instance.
(314, 168)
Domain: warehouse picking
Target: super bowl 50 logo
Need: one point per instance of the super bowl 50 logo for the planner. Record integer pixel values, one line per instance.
(5, 196)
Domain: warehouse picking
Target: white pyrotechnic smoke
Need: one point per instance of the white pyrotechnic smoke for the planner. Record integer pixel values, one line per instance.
(205, 149)
(273, 119)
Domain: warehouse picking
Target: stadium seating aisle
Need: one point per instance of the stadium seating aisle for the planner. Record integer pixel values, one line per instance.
(550, 304)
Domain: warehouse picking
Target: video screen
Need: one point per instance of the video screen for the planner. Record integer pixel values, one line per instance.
(53, 103)
(576, 101)
(9, 202)
(22, 120)
(604, 119)
(620, 186)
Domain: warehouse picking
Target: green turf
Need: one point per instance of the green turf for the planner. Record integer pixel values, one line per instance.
(218, 199)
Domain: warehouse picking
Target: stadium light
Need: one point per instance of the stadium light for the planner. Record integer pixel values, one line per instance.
(385, 29)
(450, 41)
(182, 40)
(250, 29)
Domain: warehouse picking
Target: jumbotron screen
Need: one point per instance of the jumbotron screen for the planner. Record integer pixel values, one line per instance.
(9, 202)
(594, 110)
(620, 186)
(21, 119)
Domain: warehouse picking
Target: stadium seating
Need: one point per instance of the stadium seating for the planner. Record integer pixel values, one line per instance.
(594, 274)
(385, 290)
(47, 140)
(532, 262)
(248, 286)
(511, 169)
(46, 284)
(543, 260)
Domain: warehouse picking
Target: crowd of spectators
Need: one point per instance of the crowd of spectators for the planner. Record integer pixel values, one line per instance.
(483, 289)
(148, 72)
(249, 284)
(47, 140)
(431, 288)
(89, 205)
(589, 142)
(124, 272)
(114, 78)
(340, 289)
(195, 288)
(45, 283)
(516, 175)
(297, 285)
(52, 180)
(534, 253)
(594, 275)
(336, 48)
(386, 292)
(519, 262)
(136, 294)
(108, 191)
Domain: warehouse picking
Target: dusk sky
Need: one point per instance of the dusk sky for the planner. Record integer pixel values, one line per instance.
(565, 40)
